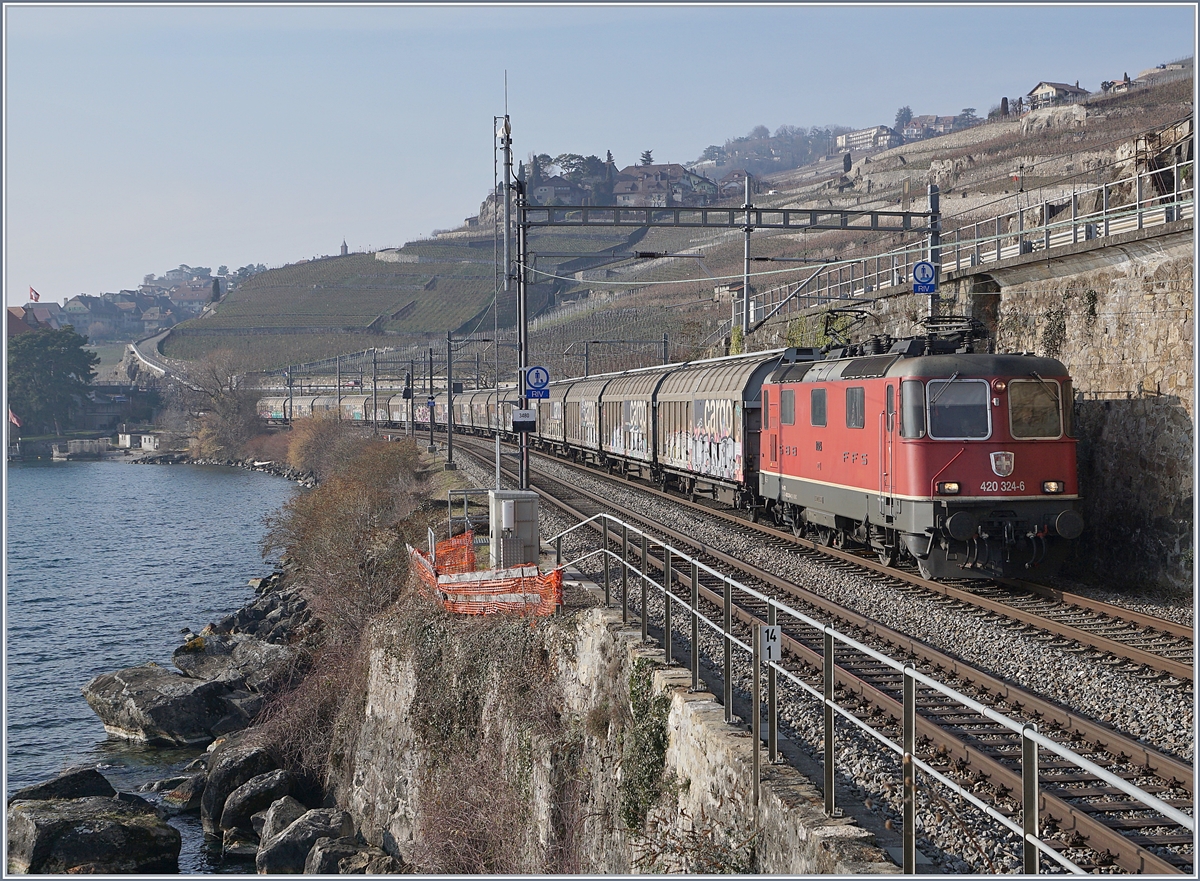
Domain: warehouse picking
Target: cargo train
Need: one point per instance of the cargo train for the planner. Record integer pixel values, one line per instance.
(921, 449)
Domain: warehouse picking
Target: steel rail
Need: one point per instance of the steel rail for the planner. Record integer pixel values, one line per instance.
(1120, 613)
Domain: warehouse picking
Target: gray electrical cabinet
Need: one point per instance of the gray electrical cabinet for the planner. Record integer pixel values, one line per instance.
(514, 522)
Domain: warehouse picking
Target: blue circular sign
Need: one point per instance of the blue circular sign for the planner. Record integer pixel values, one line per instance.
(923, 272)
(537, 377)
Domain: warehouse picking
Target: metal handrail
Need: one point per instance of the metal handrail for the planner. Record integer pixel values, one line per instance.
(1027, 833)
(829, 284)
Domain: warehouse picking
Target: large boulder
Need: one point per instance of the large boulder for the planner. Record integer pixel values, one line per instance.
(75, 783)
(205, 657)
(239, 843)
(254, 795)
(149, 703)
(187, 795)
(278, 817)
(90, 835)
(232, 764)
(266, 667)
(370, 861)
(242, 661)
(348, 856)
(287, 852)
(328, 853)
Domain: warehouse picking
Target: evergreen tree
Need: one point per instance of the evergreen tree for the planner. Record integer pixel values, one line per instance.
(903, 117)
(49, 372)
(647, 157)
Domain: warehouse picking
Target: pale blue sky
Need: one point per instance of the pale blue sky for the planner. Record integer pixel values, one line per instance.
(139, 138)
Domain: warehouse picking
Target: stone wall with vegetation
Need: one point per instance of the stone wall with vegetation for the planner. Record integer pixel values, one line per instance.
(1121, 319)
(491, 745)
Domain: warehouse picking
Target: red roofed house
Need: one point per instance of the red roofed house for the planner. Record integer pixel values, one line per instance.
(1047, 94)
(16, 321)
(662, 186)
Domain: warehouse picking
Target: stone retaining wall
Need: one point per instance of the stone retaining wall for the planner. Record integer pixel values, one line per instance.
(707, 761)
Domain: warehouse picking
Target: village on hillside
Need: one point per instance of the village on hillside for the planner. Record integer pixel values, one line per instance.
(720, 173)
(159, 303)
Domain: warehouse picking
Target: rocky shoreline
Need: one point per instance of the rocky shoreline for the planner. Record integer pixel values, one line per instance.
(279, 469)
(226, 675)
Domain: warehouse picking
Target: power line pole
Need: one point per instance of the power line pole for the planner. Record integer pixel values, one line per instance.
(935, 245)
(450, 466)
(429, 403)
(746, 268)
(506, 137)
(522, 325)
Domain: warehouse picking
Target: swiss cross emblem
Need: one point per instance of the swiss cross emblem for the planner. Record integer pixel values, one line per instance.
(1002, 463)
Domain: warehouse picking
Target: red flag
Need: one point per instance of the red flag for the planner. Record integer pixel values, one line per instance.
(12, 417)
(34, 295)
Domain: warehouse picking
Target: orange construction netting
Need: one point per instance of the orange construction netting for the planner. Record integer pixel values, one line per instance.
(451, 580)
(456, 554)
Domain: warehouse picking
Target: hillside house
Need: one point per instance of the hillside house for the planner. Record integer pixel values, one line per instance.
(558, 191)
(733, 184)
(927, 126)
(879, 137)
(727, 291)
(1046, 94)
(48, 315)
(662, 186)
(192, 296)
(17, 323)
(1124, 84)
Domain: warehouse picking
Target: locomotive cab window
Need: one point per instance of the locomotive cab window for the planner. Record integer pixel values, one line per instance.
(912, 408)
(787, 407)
(856, 410)
(817, 405)
(958, 409)
(1034, 408)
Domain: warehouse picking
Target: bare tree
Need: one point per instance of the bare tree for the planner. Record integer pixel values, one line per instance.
(215, 392)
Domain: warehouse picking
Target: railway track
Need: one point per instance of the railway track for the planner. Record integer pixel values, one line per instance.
(1093, 823)
(1164, 648)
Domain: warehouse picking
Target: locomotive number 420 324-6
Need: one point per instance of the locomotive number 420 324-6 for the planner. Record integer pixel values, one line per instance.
(1003, 486)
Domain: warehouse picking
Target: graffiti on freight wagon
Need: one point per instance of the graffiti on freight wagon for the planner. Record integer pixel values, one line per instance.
(716, 445)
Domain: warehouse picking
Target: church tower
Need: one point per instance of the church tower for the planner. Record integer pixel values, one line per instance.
(345, 250)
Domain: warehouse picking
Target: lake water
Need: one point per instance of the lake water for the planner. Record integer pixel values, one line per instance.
(106, 563)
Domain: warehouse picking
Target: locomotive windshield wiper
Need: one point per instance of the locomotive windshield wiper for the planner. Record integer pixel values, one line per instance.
(1051, 390)
(942, 390)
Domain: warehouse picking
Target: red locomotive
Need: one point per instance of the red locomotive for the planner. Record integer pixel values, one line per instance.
(923, 448)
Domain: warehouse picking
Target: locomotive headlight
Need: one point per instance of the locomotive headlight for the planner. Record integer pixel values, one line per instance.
(948, 488)
(1052, 487)
(999, 385)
